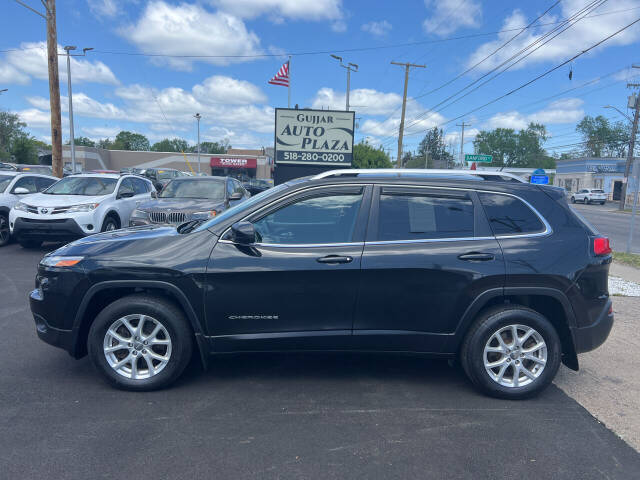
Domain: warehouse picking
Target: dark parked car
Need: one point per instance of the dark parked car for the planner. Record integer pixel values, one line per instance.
(189, 198)
(161, 176)
(255, 185)
(503, 276)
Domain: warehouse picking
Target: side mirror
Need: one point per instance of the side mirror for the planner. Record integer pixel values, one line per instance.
(243, 233)
(235, 196)
(154, 194)
(126, 195)
(21, 191)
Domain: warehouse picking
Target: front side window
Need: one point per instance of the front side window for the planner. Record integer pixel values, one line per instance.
(416, 216)
(83, 186)
(42, 182)
(321, 219)
(5, 180)
(140, 186)
(509, 215)
(126, 187)
(26, 182)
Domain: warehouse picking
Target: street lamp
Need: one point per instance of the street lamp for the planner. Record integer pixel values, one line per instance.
(3, 90)
(198, 117)
(70, 48)
(620, 112)
(351, 67)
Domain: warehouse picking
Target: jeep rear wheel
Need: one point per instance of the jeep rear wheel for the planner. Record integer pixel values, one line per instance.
(140, 342)
(511, 352)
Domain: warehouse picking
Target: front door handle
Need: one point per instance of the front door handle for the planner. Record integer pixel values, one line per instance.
(477, 257)
(333, 259)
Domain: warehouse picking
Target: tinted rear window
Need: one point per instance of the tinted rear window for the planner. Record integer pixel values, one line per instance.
(509, 215)
(415, 216)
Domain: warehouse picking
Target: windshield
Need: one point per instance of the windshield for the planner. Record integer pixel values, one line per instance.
(83, 186)
(240, 207)
(4, 182)
(164, 174)
(190, 188)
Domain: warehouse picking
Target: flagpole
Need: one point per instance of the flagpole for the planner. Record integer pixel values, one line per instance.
(289, 87)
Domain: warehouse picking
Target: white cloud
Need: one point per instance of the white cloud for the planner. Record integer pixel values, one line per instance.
(451, 15)
(35, 118)
(293, 9)
(364, 100)
(379, 29)
(454, 137)
(238, 139)
(339, 26)
(227, 90)
(84, 106)
(31, 60)
(581, 35)
(104, 8)
(9, 75)
(567, 110)
(191, 30)
(101, 132)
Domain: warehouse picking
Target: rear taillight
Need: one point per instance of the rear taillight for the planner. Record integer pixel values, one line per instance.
(601, 246)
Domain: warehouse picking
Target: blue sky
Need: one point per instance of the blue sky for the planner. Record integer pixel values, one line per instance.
(116, 88)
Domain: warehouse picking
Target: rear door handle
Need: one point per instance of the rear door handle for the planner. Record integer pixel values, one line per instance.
(477, 257)
(333, 259)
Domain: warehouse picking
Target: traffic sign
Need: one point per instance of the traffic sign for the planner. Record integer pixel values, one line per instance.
(540, 179)
(478, 158)
(539, 171)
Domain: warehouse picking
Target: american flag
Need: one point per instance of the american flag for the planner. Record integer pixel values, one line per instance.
(282, 77)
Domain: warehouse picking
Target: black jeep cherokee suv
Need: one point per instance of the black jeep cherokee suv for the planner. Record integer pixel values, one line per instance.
(501, 275)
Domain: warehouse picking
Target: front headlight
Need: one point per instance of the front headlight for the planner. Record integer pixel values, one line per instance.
(203, 215)
(137, 213)
(59, 261)
(85, 207)
(21, 207)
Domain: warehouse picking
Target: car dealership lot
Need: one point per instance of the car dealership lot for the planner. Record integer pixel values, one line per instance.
(267, 416)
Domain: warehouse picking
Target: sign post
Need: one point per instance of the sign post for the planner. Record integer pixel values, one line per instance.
(479, 158)
(308, 142)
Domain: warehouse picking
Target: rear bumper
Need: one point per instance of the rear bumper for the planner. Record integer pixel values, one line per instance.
(592, 336)
(54, 229)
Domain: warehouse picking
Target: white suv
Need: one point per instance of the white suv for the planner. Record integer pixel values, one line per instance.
(589, 195)
(15, 186)
(76, 206)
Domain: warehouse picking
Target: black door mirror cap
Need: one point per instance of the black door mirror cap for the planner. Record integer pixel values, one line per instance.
(243, 233)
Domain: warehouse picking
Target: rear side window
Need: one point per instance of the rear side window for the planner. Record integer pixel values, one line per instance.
(415, 216)
(509, 215)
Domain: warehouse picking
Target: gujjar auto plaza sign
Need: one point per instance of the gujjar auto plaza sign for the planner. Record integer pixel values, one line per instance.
(314, 137)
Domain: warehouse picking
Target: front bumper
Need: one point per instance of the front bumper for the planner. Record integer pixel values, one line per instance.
(592, 336)
(53, 336)
(47, 229)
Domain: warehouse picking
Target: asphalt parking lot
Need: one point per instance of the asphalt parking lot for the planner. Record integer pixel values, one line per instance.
(279, 416)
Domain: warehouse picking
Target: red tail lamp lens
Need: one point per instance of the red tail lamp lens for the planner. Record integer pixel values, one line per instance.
(601, 246)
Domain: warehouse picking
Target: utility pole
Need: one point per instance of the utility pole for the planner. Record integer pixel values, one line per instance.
(198, 117)
(406, 66)
(632, 144)
(462, 140)
(72, 142)
(54, 89)
(351, 67)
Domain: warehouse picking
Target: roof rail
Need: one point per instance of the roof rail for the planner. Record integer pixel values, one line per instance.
(354, 172)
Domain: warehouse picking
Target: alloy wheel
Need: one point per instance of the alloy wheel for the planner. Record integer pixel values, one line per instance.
(137, 346)
(515, 356)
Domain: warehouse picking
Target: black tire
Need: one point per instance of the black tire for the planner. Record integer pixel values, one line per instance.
(573, 199)
(587, 201)
(168, 314)
(5, 234)
(30, 244)
(601, 203)
(110, 223)
(491, 321)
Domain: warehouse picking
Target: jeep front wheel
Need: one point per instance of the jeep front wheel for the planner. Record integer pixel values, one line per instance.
(511, 352)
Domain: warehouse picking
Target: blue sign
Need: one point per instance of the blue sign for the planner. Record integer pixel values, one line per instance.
(539, 171)
(540, 179)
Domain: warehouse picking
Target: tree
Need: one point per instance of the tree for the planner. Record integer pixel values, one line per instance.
(106, 144)
(602, 138)
(11, 129)
(83, 142)
(367, 156)
(432, 151)
(213, 147)
(510, 149)
(126, 140)
(170, 145)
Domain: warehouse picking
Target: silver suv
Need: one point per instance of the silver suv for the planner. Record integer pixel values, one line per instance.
(589, 195)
